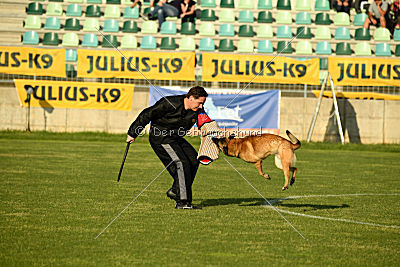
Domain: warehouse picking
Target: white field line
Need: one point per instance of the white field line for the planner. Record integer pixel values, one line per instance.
(333, 219)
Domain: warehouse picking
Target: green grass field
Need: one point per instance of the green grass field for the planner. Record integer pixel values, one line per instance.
(58, 191)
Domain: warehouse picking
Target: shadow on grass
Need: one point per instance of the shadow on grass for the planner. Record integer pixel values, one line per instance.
(262, 202)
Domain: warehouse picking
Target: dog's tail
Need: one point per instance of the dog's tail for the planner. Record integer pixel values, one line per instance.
(295, 142)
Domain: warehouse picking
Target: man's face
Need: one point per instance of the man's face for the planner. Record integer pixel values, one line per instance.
(196, 103)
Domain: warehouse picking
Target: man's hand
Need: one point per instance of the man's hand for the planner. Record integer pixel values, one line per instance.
(130, 139)
(379, 3)
(374, 21)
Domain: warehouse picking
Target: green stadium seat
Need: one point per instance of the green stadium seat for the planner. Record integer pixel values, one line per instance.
(71, 55)
(72, 24)
(168, 43)
(303, 5)
(284, 5)
(70, 39)
(56, 0)
(383, 50)
(265, 31)
(265, 46)
(148, 10)
(148, 42)
(246, 31)
(284, 17)
(187, 43)
(304, 32)
(113, 2)
(396, 35)
(362, 34)
(226, 45)
(246, 4)
(33, 22)
(208, 3)
(322, 19)
(343, 49)
(284, 47)
(323, 33)
(363, 49)
(91, 25)
(207, 29)
(323, 63)
(54, 9)
(207, 15)
(226, 30)
(168, 27)
(264, 4)
(207, 44)
(74, 10)
(52, 23)
(397, 51)
(90, 40)
(30, 38)
(265, 17)
(381, 34)
(70, 71)
(246, 16)
(109, 41)
(50, 38)
(227, 15)
(342, 33)
(245, 46)
(341, 19)
(111, 25)
(131, 13)
(112, 12)
(322, 5)
(188, 28)
(34, 8)
(304, 48)
(94, 1)
(75, 1)
(323, 48)
(149, 26)
(128, 42)
(227, 4)
(93, 11)
(303, 18)
(130, 26)
(284, 31)
(359, 19)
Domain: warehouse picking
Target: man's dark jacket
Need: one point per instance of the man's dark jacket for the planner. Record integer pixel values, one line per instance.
(169, 120)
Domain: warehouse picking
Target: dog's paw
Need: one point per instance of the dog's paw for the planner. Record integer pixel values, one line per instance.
(267, 176)
(285, 188)
(292, 181)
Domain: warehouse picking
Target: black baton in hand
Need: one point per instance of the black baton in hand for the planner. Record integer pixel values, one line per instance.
(123, 161)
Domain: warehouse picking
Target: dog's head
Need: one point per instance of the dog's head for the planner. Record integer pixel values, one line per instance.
(223, 143)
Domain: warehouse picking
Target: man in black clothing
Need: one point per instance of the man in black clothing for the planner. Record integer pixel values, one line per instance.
(171, 117)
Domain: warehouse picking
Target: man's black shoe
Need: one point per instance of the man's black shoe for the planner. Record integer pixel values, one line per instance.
(186, 206)
(172, 195)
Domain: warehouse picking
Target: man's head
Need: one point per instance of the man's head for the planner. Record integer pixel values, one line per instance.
(195, 98)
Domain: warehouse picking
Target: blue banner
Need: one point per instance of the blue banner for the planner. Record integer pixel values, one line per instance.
(255, 111)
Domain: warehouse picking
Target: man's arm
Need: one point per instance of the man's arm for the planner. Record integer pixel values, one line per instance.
(134, 3)
(382, 7)
(148, 114)
(371, 17)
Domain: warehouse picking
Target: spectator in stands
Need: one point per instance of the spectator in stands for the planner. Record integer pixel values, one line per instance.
(396, 13)
(188, 10)
(164, 9)
(376, 14)
(342, 6)
(358, 4)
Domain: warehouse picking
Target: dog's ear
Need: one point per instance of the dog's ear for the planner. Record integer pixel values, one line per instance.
(231, 136)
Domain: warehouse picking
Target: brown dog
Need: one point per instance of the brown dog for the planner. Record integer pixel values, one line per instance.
(254, 149)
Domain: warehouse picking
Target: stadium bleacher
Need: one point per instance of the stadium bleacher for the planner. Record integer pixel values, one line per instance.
(223, 25)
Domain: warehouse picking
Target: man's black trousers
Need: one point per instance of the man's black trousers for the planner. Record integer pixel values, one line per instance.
(184, 166)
